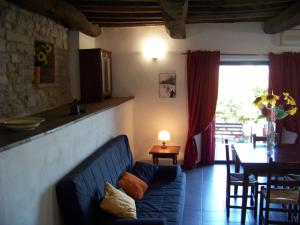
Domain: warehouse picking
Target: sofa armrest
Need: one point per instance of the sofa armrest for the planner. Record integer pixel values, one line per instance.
(142, 221)
(168, 172)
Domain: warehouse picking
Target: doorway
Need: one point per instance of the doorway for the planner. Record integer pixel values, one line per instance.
(236, 116)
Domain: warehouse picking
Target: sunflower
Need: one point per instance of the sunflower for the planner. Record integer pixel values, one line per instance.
(291, 101)
(271, 99)
(41, 57)
(292, 111)
(47, 48)
(259, 101)
(286, 95)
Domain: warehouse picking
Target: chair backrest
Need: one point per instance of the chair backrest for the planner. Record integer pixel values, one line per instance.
(276, 169)
(256, 138)
(227, 158)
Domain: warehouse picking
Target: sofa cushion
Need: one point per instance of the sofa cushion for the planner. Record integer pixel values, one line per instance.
(132, 185)
(164, 199)
(145, 171)
(118, 203)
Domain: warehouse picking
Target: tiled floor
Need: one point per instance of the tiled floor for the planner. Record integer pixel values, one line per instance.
(205, 198)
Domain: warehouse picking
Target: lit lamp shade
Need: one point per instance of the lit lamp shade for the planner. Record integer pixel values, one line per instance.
(154, 48)
(164, 136)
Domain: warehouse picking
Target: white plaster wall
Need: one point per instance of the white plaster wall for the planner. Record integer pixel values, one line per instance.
(137, 76)
(86, 41)
(29, 172)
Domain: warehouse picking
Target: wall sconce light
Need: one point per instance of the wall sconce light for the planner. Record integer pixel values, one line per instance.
(164, 136)
(154, 48)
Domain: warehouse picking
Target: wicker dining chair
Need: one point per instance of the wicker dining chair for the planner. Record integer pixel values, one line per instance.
(280, 195)
(235, 180)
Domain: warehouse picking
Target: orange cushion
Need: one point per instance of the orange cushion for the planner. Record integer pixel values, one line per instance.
(132, 185)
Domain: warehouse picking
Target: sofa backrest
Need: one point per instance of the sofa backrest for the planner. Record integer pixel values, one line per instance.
(79, 192)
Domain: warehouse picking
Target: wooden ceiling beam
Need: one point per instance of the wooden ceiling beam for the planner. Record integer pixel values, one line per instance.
(122, 15)
(284, 21)
(88, 9)
(238, 8)
(239, 2)
(174, 13)
(217, 13)
(126, 20)
(229, 17)
(63, 12)
(129, 24)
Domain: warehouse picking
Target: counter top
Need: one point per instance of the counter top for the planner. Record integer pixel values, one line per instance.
(55, 119)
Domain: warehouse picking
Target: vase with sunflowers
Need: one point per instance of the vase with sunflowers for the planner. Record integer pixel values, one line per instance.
(274, 107)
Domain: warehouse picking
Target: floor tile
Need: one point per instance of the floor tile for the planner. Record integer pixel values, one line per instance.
(205, 199)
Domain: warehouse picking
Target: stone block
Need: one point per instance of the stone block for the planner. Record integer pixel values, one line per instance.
(2, 32)
(37, 27)
(29, 59)
(11, 67)
(43, 20)
(7, 25)
(3, 80)
(2, 69)
(16, 57)
(43, 30)
(11, 47)
(4, 58)
(29, 49)
(2, 45)
(31, 101)
(30, 26)
(17, 37)
(10, 16)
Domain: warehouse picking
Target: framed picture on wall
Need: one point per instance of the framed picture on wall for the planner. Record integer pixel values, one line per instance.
(167, 85)
(44, 63)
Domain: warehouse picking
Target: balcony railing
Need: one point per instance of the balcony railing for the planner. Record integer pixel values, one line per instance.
(229, 130)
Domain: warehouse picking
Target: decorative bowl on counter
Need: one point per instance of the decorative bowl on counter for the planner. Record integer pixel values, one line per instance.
(23, 123)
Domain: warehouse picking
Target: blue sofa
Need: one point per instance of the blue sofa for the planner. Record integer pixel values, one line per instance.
(80, 191)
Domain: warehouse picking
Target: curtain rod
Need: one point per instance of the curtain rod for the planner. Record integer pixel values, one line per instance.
(235, 54)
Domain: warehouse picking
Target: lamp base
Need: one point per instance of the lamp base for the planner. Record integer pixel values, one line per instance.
(164, 145)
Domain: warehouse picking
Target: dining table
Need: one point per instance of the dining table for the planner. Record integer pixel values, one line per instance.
(254, 160)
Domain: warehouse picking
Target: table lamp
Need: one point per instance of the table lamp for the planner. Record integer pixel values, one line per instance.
(164, 136)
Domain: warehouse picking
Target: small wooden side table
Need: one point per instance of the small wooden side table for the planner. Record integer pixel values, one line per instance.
(169, 152)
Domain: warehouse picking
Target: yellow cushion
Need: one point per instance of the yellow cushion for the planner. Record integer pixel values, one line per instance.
(118, 203)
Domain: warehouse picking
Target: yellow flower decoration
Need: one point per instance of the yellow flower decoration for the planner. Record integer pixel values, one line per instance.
(259, 101)
(286, 95)
(41, 57)
(289, 100)
(48, 48)
(292, 111)
(271, 99)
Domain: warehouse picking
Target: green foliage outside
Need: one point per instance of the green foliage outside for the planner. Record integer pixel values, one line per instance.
(231, 111)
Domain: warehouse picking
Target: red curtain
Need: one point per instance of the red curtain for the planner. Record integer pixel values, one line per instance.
(284, 76)
(202, 80)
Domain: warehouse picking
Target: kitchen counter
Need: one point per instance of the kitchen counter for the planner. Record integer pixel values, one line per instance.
(55, 119)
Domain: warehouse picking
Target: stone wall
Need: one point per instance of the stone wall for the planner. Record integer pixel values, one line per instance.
(18, 31)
